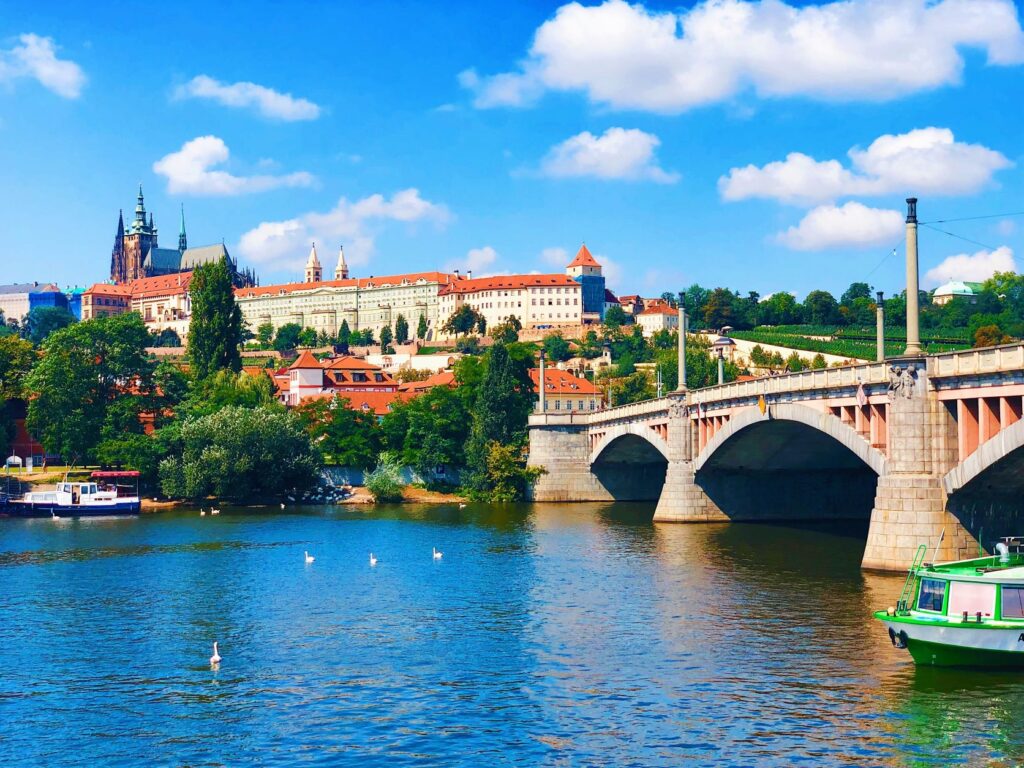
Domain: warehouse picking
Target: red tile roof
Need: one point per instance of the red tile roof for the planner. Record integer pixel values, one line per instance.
(361, 282)
(558, 382)
(164, 285)
(659, 309)
(442, 379)
(506, 282)
(583, 258)
(378, 402)
(106, 289)
(305, 360)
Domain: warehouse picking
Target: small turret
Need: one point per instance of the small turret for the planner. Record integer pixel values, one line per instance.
(314, 273)
(182, 240)
(341, 271)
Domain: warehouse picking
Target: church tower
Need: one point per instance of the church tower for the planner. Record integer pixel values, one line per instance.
(314, 273)
(341, 271)
(117, 265)
(138, 240)
(182, 240)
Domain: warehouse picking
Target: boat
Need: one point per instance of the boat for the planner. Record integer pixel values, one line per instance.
(967, 613)
(105, 493)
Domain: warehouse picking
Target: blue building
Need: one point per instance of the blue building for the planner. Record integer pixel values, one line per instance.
(18, 299)
(74, 297)
(586, 271)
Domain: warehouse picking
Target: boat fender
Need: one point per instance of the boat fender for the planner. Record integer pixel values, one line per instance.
(898, 640)
(1003, 551)
(892, 636)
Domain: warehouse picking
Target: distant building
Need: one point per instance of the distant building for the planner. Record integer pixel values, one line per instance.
(658, 317)
(565, 392)
(18, 299)
(74, 297)
(104, 300)
(586, 271)
(137, 253)
(537, 301)
(308, 377)
(956, 289)
(610, 300)
(442, 379)
(631, 304)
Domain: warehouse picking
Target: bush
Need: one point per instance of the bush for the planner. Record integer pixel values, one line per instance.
(385, 482)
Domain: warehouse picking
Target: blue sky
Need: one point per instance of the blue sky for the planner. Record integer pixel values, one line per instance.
(755, 145)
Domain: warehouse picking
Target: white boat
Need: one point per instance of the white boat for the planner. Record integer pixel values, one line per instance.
(102, 494)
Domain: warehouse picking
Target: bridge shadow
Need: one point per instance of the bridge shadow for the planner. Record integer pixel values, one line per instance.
(991, 504)
(631, 469)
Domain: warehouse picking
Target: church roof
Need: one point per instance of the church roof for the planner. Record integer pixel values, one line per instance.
(206, 254)
(163, 260)
(584, 258)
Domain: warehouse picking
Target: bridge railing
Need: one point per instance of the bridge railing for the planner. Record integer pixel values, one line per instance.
(642, 409)
(803, 381)
(973, 362)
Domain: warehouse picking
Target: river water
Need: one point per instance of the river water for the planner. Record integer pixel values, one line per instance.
(571, 635)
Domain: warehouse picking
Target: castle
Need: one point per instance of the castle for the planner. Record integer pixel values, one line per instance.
(137, 252)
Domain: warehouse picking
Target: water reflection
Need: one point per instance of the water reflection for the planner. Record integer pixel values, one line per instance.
(549, 634)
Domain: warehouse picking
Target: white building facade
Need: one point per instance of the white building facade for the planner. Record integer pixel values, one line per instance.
(535, 300)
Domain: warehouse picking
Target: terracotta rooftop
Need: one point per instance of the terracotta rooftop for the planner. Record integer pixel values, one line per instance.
(506, 282)
(164, 285)
(305, 360)
(107, 289)
(659, 309)
(442, 379)
(380, 403)
(361, 283)
(558, 382)
(583, 258)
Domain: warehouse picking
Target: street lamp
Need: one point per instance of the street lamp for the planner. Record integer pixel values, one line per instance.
(721, 365)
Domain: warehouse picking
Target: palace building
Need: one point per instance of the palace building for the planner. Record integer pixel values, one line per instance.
(137, 252)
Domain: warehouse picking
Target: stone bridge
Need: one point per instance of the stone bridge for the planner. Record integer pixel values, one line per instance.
(917, 445)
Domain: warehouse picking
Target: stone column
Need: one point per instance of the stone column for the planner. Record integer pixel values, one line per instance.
(681, 386)
(682, 500)
(910, 502)
(542, 397)
(563, 450)
(913, 312)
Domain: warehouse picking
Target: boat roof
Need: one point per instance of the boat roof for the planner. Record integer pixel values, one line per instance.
(100, 474)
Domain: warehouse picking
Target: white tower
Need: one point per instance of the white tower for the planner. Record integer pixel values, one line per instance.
(314, 274)
(341, 271)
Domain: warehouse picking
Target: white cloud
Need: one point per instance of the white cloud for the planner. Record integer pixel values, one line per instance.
(266, 101)
(925, 161)
(477, 260)
(975, 267)
(285, 244)
(35, 57)
(629, 57)
(555, 257)
(612, 271)
(618, 153)
(852, 225)
(188, 171)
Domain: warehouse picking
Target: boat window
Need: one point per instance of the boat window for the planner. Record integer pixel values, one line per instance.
(931, 594)
(1013, 602)
(973, 598)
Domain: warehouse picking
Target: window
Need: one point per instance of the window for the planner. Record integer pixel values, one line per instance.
(581, 405)
(972, 598)
(1013, 602)
(931, 594)
(558, 405)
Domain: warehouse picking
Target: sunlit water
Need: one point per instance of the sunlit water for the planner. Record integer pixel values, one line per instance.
(547, 635)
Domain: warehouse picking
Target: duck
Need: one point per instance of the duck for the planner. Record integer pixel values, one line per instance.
(309, 558)
(215, 659)
(437, 555)
(373, 560)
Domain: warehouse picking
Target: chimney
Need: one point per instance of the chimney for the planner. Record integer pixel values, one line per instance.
(469, 274)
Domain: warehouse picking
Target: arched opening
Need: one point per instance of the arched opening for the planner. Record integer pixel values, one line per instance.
(986, 491)
(631, 468)
(778, 469)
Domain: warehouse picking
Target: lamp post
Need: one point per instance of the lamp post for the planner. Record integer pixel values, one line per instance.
(681, 386)
(721, 365)
(913, 312)
(541, 404)
(880, 328)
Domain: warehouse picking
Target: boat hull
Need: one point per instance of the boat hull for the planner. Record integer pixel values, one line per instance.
(942, 644)
(49, 509)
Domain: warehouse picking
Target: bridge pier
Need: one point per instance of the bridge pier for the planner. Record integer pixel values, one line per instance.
(562, 448)
(682, 500)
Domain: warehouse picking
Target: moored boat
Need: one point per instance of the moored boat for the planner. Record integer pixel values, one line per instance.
(106, 493)
(968, 613)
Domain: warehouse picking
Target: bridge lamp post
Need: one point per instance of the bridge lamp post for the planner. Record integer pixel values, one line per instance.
(721, 365)
(681, 387)
(880, 328)
(913, 311)
(541, 399)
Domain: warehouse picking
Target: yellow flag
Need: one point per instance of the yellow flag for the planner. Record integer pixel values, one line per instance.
(762, 406)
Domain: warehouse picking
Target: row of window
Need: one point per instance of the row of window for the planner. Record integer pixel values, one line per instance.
(580, 406)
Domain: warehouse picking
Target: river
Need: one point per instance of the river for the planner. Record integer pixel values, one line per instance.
(573, 635)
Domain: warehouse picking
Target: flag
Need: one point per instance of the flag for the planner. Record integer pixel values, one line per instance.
(862, 396)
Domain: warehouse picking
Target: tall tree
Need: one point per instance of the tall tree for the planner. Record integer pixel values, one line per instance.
(42, 321)
(421, 328)
(401, 329)
(287, 337)
(385, 338)
(215, 331)
(16, 360)
(344, 336)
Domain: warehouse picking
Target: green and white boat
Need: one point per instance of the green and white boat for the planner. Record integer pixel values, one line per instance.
(968, 613)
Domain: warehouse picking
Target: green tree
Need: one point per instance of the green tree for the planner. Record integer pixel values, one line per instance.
(818, 362)
(990, 336)
(421, 327)
(508, 477)
(84, 368)
(229, 389)
(215, 330)
(265, 334)
(556, 347)
(344, 336)
(16, 360)
(42, 321)
(632, 389)
(854, 292)
(345, 436)
(168, 337)
(307, 337)
(287, 337)
(780, 308)
(434, 430)
(821, 308)
(615, 317)
(507, 332)
(241, 454)
(795, 363)
(401, 330)
(719, 309)
(385, 482)
(462, 321)
(385, 338)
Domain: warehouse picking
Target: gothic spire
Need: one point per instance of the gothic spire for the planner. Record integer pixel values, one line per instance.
(140, 211)
(182, 240)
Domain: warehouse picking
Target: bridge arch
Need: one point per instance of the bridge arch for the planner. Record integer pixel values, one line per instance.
(825, 423)
(612, 437)
(999, 457)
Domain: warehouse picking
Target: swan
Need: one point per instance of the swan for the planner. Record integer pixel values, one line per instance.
(54, 515)
(215, 659)
(373, 560)
(462, 506)
(437, 555)
(214, 511)
(282, 505)
(202, 512)
(309, 558)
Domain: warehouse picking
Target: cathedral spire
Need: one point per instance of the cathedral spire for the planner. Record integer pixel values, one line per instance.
(341, 271)
(140, 212)
(182, 240)
(314, 273)
(117, 266)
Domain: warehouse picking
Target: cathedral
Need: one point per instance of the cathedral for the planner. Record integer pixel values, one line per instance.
(137, 253)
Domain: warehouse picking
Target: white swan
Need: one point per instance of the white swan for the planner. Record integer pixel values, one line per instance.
(309, 558)
(282, 505)
(215, 659)
(214, 511)
(462, 506)
(54, 515)
(437, 555)
(373, 560)
(202, 512)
